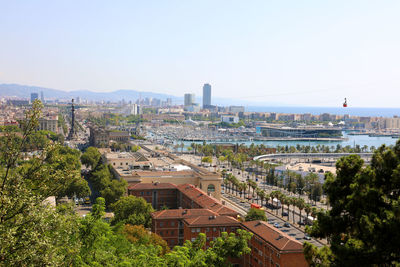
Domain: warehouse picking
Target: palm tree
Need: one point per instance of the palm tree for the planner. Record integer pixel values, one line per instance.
(300, 203)
(293, 201)
(307, 209)
(266, 197)
(261, 195)
(282, 199)
(243, 187)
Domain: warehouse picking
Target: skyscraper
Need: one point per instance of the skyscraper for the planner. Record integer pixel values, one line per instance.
(189, 99)
(206, 95)
(42, 96)
(34, 96)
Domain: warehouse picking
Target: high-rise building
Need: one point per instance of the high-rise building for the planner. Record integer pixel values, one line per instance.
(42, 96)
(34, 96)
(189, 99)
(206, 95)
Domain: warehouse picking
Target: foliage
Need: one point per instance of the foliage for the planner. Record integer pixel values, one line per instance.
(91, 157)
(363, 225)
(139, 235)
(101, 177)
(32, 233)
(256, 214)
(132, 210)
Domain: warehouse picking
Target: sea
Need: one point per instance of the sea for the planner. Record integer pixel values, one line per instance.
(353, 111)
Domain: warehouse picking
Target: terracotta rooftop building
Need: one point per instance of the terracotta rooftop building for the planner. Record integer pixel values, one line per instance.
(272, 247)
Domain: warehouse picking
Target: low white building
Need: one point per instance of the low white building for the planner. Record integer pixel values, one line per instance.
(230, 119)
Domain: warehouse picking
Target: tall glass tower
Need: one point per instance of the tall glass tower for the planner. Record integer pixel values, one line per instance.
(206, 95)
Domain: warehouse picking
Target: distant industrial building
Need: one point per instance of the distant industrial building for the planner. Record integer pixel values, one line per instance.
(206, 95)
(300, 132)
(34, 96)
(41, 96)
(189, 99)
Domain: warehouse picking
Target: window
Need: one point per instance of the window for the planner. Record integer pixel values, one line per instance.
(141, 193)
(172, 223)
(114, 163)
(208, 229)
(172, 232)
(223, 229)
(121, 163)
(214, 229)
(149, 193)
(198, 230)
(161, 224)
(193, 239)
(193, 230)
(127, 163)
(161, 233)
(211, 188)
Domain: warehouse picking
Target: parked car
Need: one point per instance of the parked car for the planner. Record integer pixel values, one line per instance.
(285, 213)
(277, 225)
(307, 237)
(301, 223)
(286, 224)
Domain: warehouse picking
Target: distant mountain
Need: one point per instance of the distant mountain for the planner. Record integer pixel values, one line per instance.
(24, 91)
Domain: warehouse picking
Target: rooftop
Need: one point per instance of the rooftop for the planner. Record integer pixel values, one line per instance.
(204, 200)
(149, 186)
(182, 213)
(275, 237)
(211, 220)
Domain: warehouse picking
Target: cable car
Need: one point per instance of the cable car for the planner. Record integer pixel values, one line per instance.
(345, 103)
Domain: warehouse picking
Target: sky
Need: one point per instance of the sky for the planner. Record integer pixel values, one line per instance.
(295, 53)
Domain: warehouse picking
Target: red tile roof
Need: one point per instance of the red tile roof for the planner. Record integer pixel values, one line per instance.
(144, 186)
(181, 213)
(273, 236)
(211, 221)
(204, 200)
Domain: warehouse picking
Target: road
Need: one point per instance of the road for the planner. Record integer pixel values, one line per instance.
(293, 231)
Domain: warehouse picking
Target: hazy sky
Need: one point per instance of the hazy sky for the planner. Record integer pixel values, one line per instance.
(283, 52)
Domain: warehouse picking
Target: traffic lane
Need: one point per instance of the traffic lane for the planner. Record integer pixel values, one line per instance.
(272, 219)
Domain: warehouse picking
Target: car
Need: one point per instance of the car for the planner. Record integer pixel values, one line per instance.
(242, 201)
(277, 225)
(286, 224)
(301, 223)
(285, 213)
(307, 237)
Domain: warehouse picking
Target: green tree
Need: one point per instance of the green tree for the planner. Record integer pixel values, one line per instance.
(31, 232)
(363, 225)
(132, 210)
(91, 157)
(114, 190)
(255, 214)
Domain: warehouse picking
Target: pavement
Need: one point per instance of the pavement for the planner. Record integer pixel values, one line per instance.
(294, 231)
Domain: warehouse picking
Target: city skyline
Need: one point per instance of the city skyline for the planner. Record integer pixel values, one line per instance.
(308, 54)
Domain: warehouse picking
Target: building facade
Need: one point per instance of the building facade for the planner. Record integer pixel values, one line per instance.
(189, 99)
(206, 95)
(270, 247)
